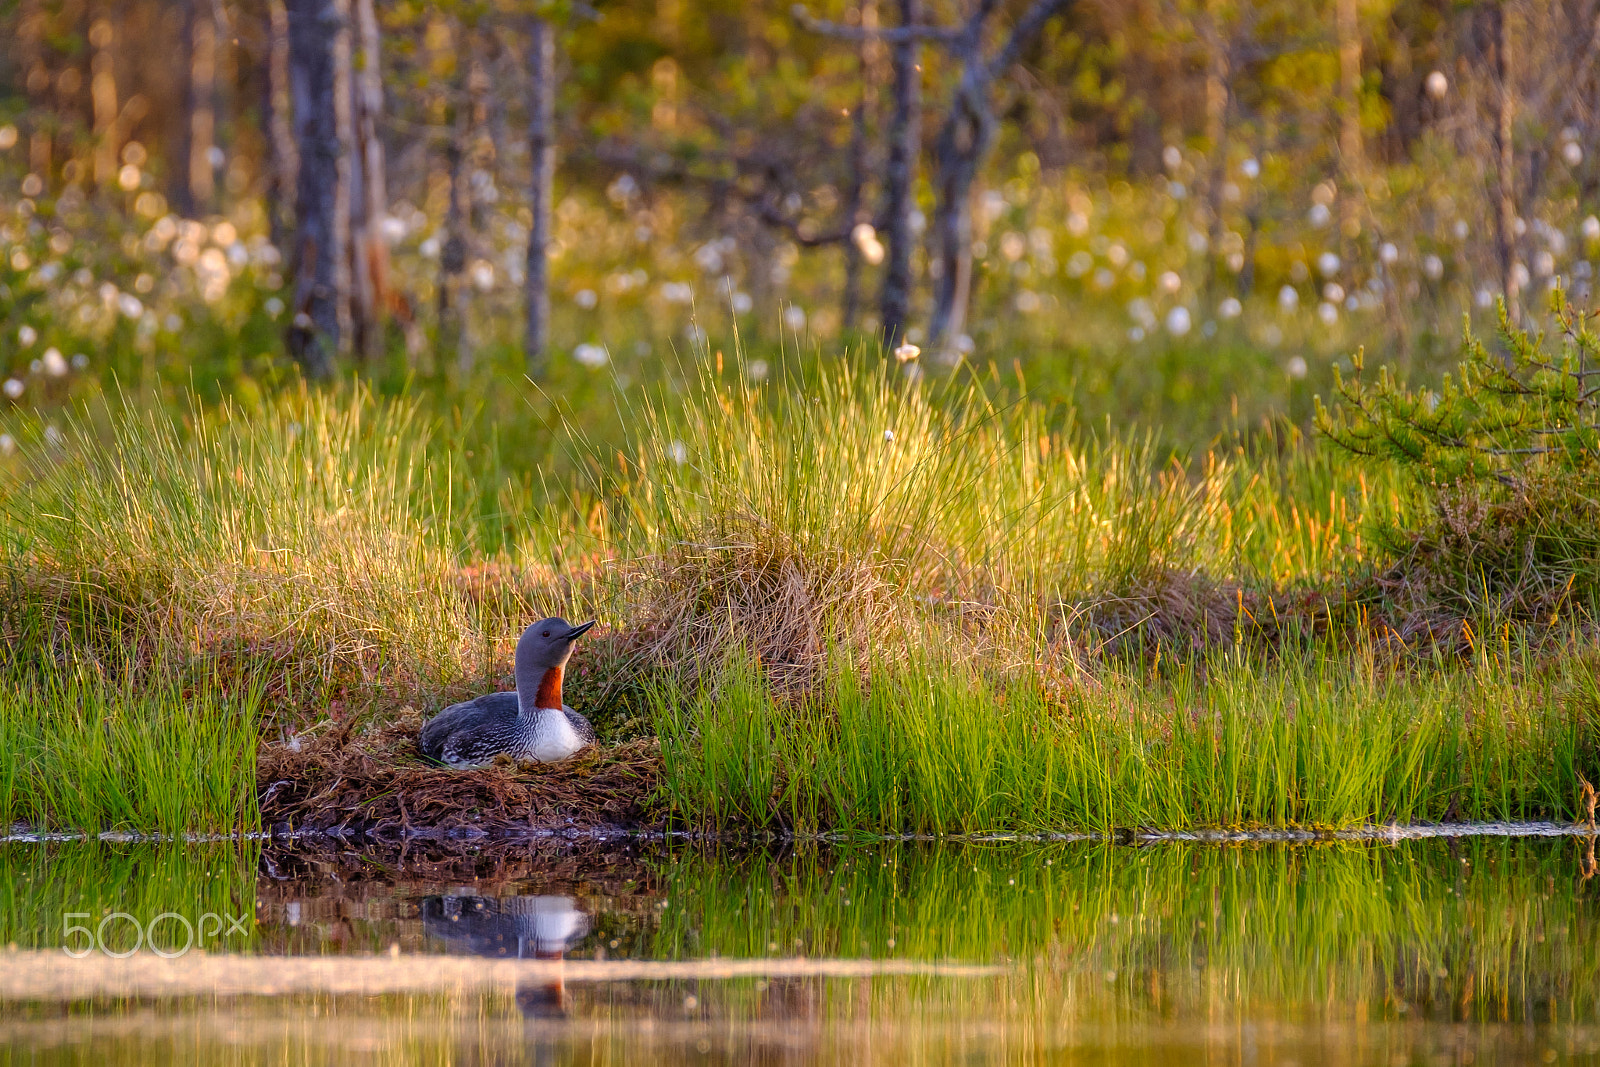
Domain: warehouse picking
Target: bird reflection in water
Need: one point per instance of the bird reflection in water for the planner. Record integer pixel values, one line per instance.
(512, 928)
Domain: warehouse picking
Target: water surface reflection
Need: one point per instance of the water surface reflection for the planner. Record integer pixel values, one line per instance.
(1423, 951)
(539, 927)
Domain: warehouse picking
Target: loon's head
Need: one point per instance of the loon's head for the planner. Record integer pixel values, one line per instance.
(547, 644)
(542, 651)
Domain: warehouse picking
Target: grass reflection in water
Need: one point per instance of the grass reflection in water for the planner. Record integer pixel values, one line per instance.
(1337, 952)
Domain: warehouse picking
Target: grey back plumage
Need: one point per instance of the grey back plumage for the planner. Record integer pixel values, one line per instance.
(478, 730)
(487, 723)
(579, 724)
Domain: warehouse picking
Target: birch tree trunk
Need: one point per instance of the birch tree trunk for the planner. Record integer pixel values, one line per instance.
(201, 189)
(855, 194)
(1352, 152)
(1219, 111)
(460, 157)
(905, 146)
(36, 78)
(1505, 216)
(283, 158)
(963, 142)
(319, 78)
(542, 157)
(369, 202)
(103, 96)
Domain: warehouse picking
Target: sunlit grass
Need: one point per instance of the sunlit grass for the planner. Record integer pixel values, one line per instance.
(929, 747)
(307, 526)
(78, 751)
(844, 602)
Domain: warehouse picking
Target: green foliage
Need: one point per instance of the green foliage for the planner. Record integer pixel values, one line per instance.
(933, 747)
(1499, 415)
(1507, 456)
(79, 751)
(908, 565)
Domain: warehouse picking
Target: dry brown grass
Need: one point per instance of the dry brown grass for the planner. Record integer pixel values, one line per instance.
(746, 584)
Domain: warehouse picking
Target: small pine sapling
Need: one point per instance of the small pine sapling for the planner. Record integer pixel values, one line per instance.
(1506, 456)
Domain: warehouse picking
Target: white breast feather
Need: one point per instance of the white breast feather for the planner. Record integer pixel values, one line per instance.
(554, 738)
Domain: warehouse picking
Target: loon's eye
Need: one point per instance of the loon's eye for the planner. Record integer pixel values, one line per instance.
(545, 634)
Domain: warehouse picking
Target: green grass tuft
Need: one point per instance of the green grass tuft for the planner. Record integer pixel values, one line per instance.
(921, 745)
(81, 752)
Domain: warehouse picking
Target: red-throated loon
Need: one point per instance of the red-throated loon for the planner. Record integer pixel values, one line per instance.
(529, 724)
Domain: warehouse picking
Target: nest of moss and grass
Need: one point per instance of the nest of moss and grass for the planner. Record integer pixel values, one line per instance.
(378, 786)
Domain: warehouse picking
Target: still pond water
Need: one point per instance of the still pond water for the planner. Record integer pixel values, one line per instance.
(1475, 950)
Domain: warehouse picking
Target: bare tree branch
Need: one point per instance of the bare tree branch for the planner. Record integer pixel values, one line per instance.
(1026, 29)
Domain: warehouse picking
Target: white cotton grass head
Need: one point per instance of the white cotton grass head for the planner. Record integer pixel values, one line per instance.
(591, 355)
(906, 352)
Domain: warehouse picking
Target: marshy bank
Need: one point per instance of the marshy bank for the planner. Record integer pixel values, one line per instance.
(835, 603)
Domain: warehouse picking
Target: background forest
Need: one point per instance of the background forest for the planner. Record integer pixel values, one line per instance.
(1179, 212)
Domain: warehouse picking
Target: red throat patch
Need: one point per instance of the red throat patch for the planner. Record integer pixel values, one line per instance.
(549, 695)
